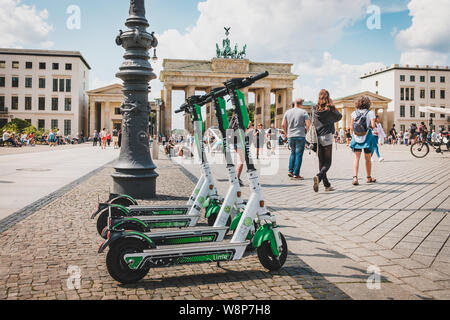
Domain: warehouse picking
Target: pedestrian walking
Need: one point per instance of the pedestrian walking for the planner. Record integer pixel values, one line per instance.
(272, 136)
(103, 138)
(393, 135)
(363, 121)
(115, 138)
(377, 132)
(296, 123)
(95, 137)
(238, 147)
(108, 138)
(259, 140)
(325, 116)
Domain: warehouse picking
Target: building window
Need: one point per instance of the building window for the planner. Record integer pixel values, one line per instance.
(432, 115)
(42, 66)
(54, 124)
(2, 64)
(15, 82)
(442, 94)
(412, 78)
(412, 94)
(422, 114)
(41, 103)
(41, 124)
(28, 65)
(402, 128)
(15, 103)
(68, 85)
(61, 85)
(402, 94)
(412, 111)
(442, 79)
(55, 85)
(2, 82)
(54, 104)
(55, 66)
(433, 94)
(68, 66)
(68, 104)
(407, 94)
(376, 83)
(41, 83)
(67, 127)
(29, 121)
(15, 65)
(28, 82)
(2, 102)
(402, 111)
(442, 115)
(402, 78)
(422, 94)
(432, 79)
(117, 111)
(422, 78)
(27, 103)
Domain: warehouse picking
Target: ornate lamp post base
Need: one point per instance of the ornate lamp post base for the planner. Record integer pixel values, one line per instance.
(139, 185)
(135, 171)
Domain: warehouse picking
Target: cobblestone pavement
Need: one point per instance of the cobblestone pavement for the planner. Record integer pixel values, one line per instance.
(401, 224)
(328, 259)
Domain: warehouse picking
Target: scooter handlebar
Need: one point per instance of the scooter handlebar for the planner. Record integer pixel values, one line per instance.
(258, 77)
(183, 108)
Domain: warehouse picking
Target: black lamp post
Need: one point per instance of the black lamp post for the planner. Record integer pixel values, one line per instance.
(135, 171)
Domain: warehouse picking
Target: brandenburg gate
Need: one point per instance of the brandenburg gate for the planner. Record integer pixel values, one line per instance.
(203, 75)
(198, 75)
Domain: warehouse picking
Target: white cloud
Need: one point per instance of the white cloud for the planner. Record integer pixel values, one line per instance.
(427, 40)
(339, 78)
(22, 25)
(275, 31)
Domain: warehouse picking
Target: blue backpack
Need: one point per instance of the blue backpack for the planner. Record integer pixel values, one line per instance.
(360, 126)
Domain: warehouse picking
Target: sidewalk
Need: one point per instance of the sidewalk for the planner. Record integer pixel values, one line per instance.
(399, 225)
(326, 261)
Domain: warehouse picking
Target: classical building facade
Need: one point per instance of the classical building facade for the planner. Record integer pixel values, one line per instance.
(104, 109)
(410, 87)
(346, 107)
(203, 75)
(46, 88)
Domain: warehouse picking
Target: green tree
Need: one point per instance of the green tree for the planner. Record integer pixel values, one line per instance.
(16, 125)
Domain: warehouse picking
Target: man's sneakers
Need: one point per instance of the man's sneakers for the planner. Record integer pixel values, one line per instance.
(381, 159)
(290, 175)
(299, 178)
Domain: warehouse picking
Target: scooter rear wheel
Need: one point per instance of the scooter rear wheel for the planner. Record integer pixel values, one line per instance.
(268, 259)
(102, 220)
(116, 265)
(126, 202)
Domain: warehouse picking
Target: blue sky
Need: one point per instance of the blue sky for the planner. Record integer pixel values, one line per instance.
(331, 48)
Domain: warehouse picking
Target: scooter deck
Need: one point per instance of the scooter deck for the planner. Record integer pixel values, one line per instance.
(171, 221)
(190, 235)
(166, 256)
(159, 210)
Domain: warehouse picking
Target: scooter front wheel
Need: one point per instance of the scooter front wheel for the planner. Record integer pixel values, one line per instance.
(116, 265)
(268, 259)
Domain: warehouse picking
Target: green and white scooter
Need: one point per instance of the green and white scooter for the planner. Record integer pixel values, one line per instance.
(144, 218)
(233, 205)
(131, 254)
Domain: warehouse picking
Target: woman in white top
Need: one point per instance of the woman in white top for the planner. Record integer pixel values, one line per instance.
(363, 121)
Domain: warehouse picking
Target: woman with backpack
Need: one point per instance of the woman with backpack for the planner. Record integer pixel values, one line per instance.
(324, 117)
(363, 121)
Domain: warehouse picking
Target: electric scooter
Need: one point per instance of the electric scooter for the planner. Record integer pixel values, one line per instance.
(143, 218)
(232, 207)
(131, 254)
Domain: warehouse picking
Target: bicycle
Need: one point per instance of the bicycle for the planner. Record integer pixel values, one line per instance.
(421, 148)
